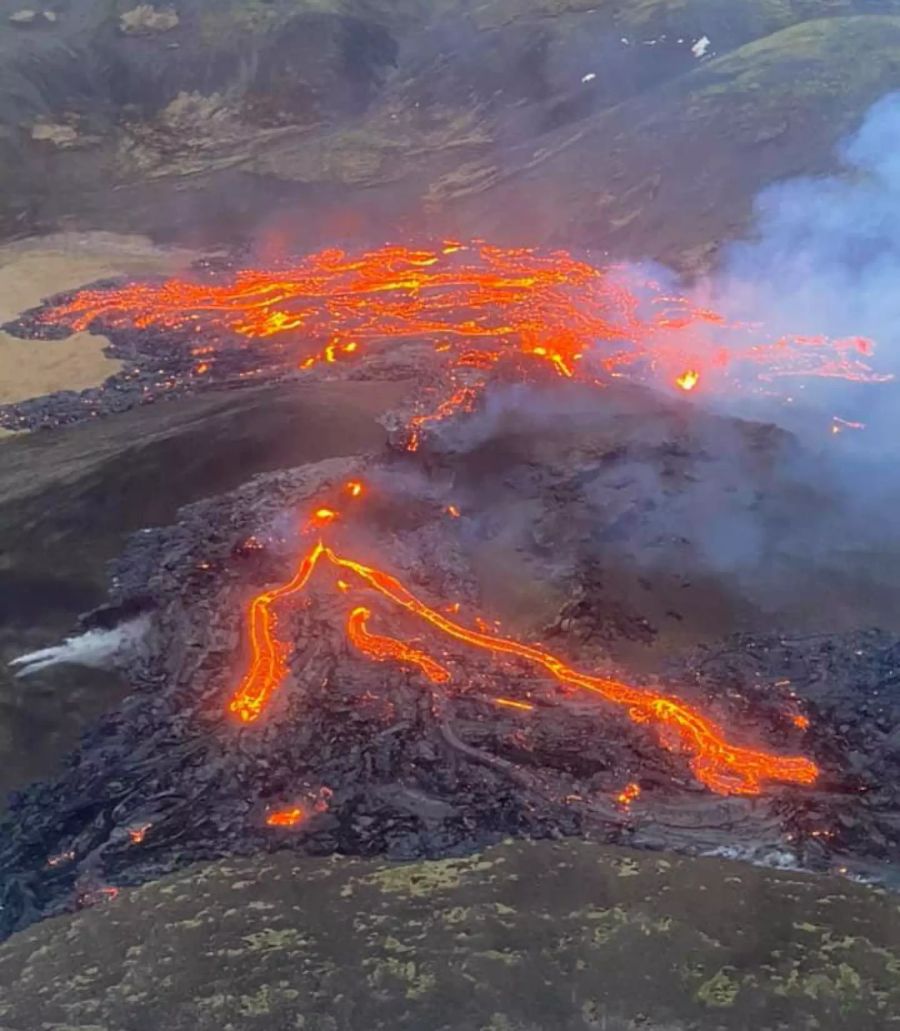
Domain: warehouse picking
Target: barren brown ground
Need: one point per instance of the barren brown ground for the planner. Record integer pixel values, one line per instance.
(31, 270)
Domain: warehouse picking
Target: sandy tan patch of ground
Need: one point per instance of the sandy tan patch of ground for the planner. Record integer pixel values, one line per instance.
(31, 270)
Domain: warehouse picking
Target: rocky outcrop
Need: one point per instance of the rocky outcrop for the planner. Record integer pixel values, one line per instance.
(145, 18)
(612, 939)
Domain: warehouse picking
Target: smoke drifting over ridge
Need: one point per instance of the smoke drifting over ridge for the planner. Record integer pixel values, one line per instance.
(825, 259)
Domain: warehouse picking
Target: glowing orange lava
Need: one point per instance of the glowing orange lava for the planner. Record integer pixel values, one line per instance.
(285, 817)
(628, 794)
(137, 834)
(511, 703)
(383, 649)
(475, 303)
(724, 767)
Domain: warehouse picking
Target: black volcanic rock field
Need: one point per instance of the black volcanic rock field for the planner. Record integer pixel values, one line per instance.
(447, 688)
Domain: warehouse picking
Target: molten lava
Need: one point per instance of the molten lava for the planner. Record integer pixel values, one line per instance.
(476, 304)
(285, 817)
(511, 703)
(724, 767)
(383, 649)
(628, 794)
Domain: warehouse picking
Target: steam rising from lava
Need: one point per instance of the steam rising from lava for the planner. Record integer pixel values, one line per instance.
(95, 648)
(476, 305)
(824, 256)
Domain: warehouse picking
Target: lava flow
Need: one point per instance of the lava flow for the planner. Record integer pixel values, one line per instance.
(725, 768)
(475, 304)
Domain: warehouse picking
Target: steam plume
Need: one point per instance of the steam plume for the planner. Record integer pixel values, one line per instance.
(97, 649)
(825, 254)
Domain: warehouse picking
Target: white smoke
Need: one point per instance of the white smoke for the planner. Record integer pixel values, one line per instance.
(826, 251)
(97, 649)
(824, 259)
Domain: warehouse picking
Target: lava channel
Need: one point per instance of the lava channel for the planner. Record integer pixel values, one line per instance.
(723, 767)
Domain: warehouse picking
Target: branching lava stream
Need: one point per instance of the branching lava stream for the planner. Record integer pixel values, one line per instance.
(724, 767)
(474, 304)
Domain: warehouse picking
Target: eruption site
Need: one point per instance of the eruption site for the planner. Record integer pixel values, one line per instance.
(721, 766)
(475, 306)
(348, 694)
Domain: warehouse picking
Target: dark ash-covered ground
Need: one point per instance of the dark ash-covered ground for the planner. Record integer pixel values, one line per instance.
(387, 765)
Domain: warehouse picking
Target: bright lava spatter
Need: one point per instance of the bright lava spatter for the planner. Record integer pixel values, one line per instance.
(628, 794)
(475, 304)
(688, 380)
(285, 817)
(724, 767)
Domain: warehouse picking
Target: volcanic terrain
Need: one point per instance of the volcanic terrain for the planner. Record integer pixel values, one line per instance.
(319, 659)
(378, 521)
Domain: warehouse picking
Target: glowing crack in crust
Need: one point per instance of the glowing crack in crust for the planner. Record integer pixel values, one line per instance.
(723, 767)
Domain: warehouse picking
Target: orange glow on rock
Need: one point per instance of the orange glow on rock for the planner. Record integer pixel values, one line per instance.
(285, 817)
(137, 834)
(628, 794)
(688, 380)
(722, 766)
(511, 703)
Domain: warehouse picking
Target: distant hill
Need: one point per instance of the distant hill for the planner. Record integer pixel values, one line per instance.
(642, 127)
